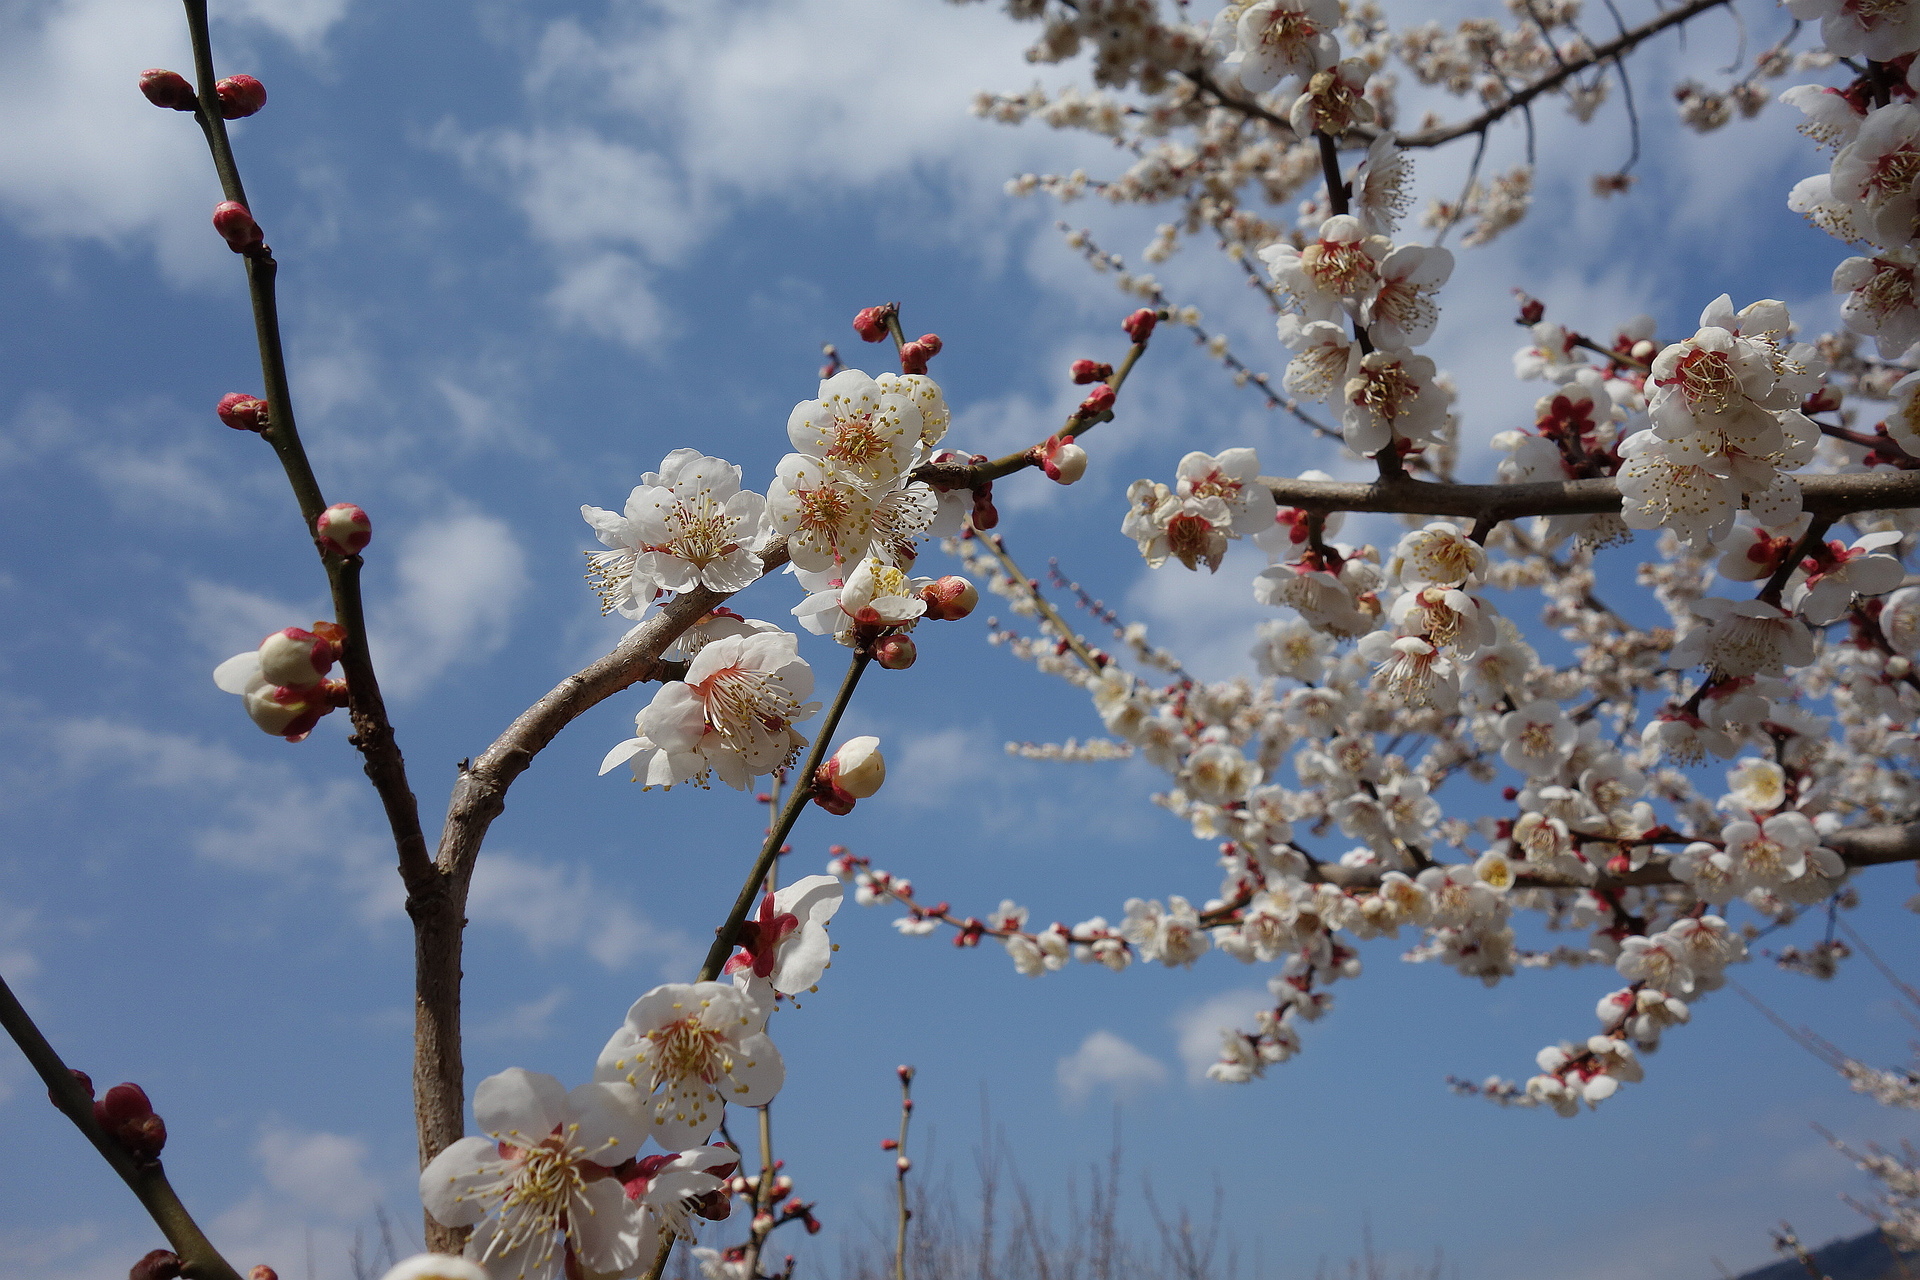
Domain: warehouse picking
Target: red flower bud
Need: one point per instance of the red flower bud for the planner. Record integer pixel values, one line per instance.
(161, 1264)
(168, 89)
(240, 96)
(237, 227)
(1531, 309)
(261, 1271)
(895, 653)
(871, 323)
(345, 528)
(931, 341)
(889, 1144)
(914, 357)
(244, 412)
(84, 1080)
(1098, 401)
(1085, 371)
(905, 1072)
(985, 514)
(950, 599)
(128, 1119)
(1139, 325)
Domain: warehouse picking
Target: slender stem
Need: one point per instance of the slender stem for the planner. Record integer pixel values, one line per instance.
(900, 1166)
(1067, 633)
(437, 1071)
(199, 1260)
(728, 933)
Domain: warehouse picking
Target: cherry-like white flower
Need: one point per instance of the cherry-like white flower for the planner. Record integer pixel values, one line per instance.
(1745, 638)
(1881, 301)
(1766, 855)
(1322, 350)
(1664, 488)
(1828, 592)
(860, 429)
(435, 1266)
(1281, 38)
(826, 518)
(687, 525)
(1234, 478)
(1832, 118)
(539, 1187)
(1439, 555)
(924, 394)
(786, 944)
(1171, 934)
(1537, 738)
(874, 596)
(1380, 195)
(689, 1049)
(1401, 311)
(1390, 394)
(1191, 530)
(733, 715)
(1341, 264)
(1878, 29)
(1879, 174)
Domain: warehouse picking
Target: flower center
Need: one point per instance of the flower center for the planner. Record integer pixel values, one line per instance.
(1339, 266)
(859, 441)
(688, 1050)
(739, 702)
(1893, 175)
(1385, 391)
(1890, 289)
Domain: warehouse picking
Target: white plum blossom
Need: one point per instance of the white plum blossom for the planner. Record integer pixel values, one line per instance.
(1880, 300)
(1233, 477)
(859, 429)
(689, 1049)
(1828, 592)
(1401, 311)
(538, 1187)
(1879, 29)
(1171, 934)
(1280, 38)
(1537, 738)
(1390, 394)
(1768, 854)
(786, 945)
(875, 595)
(687, 525)
(826, 518)
(1341, 264)
(1878, 174)
(1322, 350)
(733, 715)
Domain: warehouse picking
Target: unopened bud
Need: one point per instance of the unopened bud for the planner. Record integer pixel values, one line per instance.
(1098, 401)
(762, 1222)
(237, 227)
(985, 515)
(902, 1163)
(1531, 310)
(1085, 371)
(857, 768)
(889, 1144)
(161, 1264)
(1644, 350)
(950, 599)
(261, 1271)
(286, 712)
(1063, 460)
(914, 357)
(895, 653)
(931, 341)
(1139, 325)
(128, 1118)
(80, 1078)
(244, 412)
(344, 527)
(905, 1072)
(168, 89)
(240, 96)
(435, 1266)
(297, 658)
(871, 323)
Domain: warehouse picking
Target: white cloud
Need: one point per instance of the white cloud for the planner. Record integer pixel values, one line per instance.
(459, 579)
(321, 1171)
(1105, 1060)
(551, 907)
(532, 1020)
(1198, 1026)
(85, 157)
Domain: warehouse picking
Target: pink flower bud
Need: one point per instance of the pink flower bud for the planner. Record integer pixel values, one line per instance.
(896, 653)
(914, 357)
(168, 89)
(288, 712)
(985, 514)
(1098, 401)
(297, 658)
(871, 323)
(902, 1164)
(240, 96)
(1063, 460)
(950, 598)
(1085, 371)
(237, 227)
(905, 1072)
(261, 1271)
(243, 412)
(128, 1118)
(1139, 325)
(1531, 309)
(857, 768)
(931, 341)
(889, 1144)
(161, 1264)
(344, 527)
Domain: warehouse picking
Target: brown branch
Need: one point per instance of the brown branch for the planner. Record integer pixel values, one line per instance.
(199, 1260)
(1822, 495)
(1613, 49)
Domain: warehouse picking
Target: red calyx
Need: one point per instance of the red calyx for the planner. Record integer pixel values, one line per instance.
(1139, 325)
(240, 96)
(168, 89)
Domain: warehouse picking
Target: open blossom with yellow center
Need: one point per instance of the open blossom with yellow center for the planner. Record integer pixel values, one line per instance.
(689, 1049)
(826, 518)
(539, 1189)
(863, 431)
(733, 715)
(688, 525)
(1275, 39)
(875, 596)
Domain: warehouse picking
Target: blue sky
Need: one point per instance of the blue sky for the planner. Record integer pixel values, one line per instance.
(527, 249)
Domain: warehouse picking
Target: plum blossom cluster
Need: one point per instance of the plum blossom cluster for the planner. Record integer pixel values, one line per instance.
(560, 1181)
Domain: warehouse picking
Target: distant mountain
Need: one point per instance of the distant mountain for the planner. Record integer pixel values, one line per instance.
(1864, 1257)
